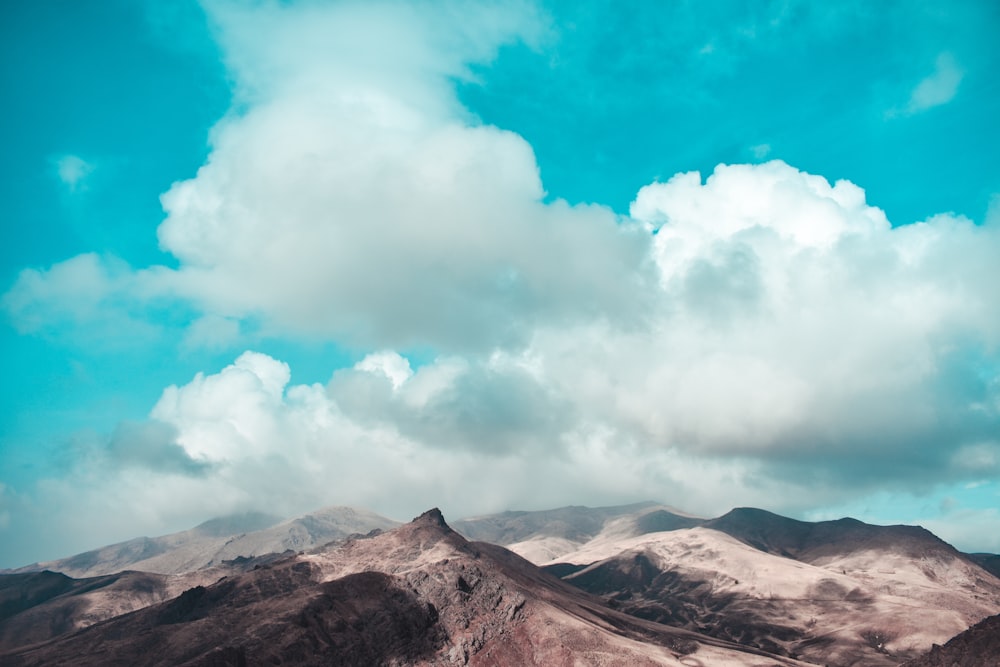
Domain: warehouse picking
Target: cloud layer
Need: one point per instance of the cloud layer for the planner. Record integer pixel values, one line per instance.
(757, 336)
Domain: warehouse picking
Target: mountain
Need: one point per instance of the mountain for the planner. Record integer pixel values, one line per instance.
(989, 562)
(218, 540)
(545, 535)
(640, 584)
(833, 592)
(419, 594)
(575, 523)
(815, 541)
(869, 607)
(37, 606)
(979, 646)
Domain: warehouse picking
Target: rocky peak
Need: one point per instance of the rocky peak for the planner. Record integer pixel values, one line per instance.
(431, 517)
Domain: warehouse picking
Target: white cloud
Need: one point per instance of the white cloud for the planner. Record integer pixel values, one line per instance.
(73, 171)
(73, 289)
(357, 199)
(390, 364)
(793, 323)
(98, 300)
(800, 208)
(938, 88)
(244, 438)
(761, 336)
(228, 416)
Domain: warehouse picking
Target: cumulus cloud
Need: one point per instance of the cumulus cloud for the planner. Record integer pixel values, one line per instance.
(760, 336)
(488, 406)
(245, 437)
(795, 323)
(356, 198)
(389, 364)
(352, 196)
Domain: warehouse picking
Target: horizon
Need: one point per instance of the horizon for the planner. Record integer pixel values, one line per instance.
(275, 520)
(281, 256)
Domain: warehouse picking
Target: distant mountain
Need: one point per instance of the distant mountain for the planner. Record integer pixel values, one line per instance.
(979, 646)
(237, 524)
(218, 540)
(989, 562)
(575, 523)
(814, 541)
(416, 595)
(545, 535)
(833, 592)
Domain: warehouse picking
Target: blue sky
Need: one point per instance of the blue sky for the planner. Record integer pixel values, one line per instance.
(282, 255)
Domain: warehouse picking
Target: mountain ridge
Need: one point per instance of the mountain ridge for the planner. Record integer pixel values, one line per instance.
(758, 578)
(842, 592)
(418, 594)
(209, 543)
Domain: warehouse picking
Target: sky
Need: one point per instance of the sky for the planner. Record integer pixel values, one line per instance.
(483, 256)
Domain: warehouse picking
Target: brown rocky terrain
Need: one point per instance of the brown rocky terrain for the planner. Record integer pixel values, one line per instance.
(37, 606)
(741, 589)
(834, 593)
(417, 595)
(979, 646)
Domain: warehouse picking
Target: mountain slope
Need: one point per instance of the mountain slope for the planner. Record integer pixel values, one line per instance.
(814, 541)
(219, 540)
(37, 606)
(835, 592)
(417, 595)
(874, 608)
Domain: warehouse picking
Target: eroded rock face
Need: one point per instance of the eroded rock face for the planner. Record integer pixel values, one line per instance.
(417, 595)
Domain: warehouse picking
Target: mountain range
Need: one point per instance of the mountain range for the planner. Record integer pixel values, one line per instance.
(833, 592)
(217, 540)
(641, 584)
